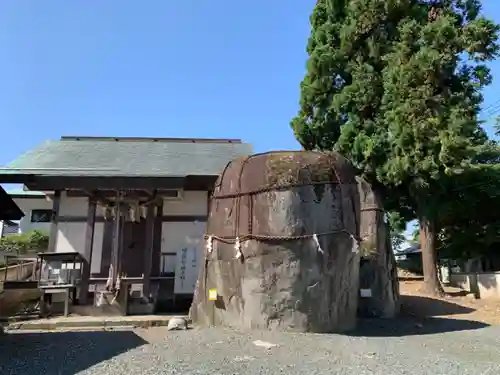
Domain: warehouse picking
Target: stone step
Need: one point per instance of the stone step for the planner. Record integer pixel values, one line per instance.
(91, 323)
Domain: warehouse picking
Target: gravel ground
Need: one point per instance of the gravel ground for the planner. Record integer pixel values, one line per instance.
(437, 346)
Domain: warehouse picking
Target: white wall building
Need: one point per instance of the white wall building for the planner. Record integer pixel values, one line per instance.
(134, 208)
(37, 208)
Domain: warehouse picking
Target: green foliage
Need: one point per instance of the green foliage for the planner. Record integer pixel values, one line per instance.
(397, 239)
(396, 226)
(415, 236)
(497, 126)
(468, 220)
(387, 88)
(395, 86)
(24, 243)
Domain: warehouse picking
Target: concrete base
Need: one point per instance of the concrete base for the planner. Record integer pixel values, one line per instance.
(91, 322)
(105, 303)
(97, 311)
(482, 285)
(140, 308)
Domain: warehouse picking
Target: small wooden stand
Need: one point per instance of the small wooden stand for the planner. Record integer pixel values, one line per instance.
(56, 285)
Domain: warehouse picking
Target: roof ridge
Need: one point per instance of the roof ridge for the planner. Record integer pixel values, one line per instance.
(25, 192)
(150, 139)
(111, 158)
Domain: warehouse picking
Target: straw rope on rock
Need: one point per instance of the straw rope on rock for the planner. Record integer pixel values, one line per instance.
(378, 273)
(282, 245)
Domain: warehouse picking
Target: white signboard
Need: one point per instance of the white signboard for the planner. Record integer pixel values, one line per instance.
(189, 257)
(186, 272)
(366, 293)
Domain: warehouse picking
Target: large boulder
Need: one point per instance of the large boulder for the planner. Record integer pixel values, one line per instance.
(282, 245)
(379, 285)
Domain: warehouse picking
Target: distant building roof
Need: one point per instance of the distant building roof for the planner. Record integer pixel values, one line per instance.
(9, 227)
(414, 248)
(129, 157)
(8, 209)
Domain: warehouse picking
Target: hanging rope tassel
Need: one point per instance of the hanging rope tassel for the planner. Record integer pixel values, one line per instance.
(237, 247)
(355, 247)
(118, 282)
(109, 281)
(117, 288)
(210, 244)
(316, 241)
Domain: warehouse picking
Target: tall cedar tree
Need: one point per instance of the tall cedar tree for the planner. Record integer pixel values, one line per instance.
(395, 85)
(468, 218)
(471, 228)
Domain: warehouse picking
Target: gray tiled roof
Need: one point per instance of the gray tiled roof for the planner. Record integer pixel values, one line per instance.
(127, 157)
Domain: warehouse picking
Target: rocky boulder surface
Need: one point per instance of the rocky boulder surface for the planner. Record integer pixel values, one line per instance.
(282, 245)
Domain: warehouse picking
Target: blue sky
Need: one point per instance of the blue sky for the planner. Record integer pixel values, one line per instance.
(155, 68)
(151, 68)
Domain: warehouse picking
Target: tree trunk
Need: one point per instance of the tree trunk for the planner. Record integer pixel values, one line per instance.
(428, 239)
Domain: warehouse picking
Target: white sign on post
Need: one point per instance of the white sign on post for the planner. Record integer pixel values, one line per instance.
(186, 270)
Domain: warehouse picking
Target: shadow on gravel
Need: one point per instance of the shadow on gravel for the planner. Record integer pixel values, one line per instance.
(425, 307)
(410, 327)
(62, 353)
(410, 278)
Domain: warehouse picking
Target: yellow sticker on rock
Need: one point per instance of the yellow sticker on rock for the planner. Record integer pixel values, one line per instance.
(212, 294)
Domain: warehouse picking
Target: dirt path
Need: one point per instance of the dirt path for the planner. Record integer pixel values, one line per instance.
(457, 305)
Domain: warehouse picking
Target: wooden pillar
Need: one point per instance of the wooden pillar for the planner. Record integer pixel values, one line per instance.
(87, 252)
(155, 264)
(148, 251)
(116, 240)
(107, 244)
(121, 228)
(56, 202)
(209, 198)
